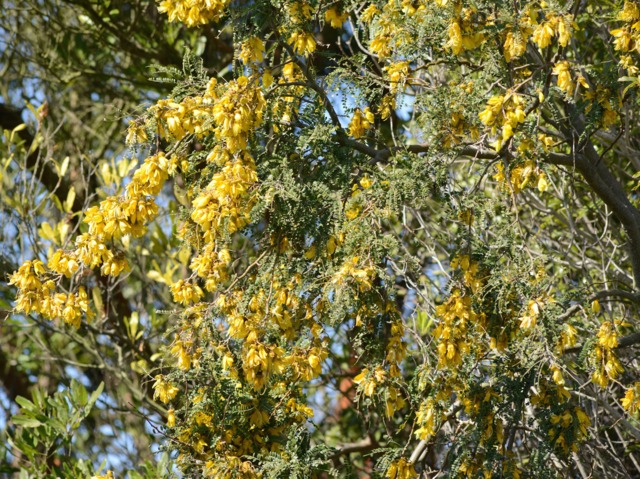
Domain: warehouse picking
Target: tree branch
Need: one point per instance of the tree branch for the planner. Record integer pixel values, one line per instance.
(624, 342)
(595, 172)
(10, 118)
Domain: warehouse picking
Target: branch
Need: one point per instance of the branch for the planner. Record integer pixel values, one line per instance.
(421, 447)
(634, 297)
(364, 445)
(595, 172)
(10, 118)
(629, 340)
(624, 342)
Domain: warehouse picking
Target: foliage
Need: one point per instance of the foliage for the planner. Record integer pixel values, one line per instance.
(382, 239)
(47, 424)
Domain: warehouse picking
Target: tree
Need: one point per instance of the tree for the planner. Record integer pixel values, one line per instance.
(401, 240)
(72, 70)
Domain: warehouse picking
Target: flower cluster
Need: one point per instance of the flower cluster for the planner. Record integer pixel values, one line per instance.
(527, 174)
(36, 293)
(189, 117)
(335, 18)
(401, 469)
(369, 380)
(505, 112)
(606, 363)
(301, 39)
(627, 37)
(427, 418)
(303, 43)
(569, 429)
(280, 310)
(398, 73)
(252, 50)
(225, 204)
(116, 218)
(605, 99)
(361, 122)
(456, 316)
(471, 275)
(396, 347)
(164, 390)
(464, 33)
(361, 277)
(238, 112)
(554, 25)
(193, 12)
(530, 318)
(631, 399)
(515, 43)
(565, 81)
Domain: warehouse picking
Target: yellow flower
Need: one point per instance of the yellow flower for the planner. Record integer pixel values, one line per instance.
(630, 12)
(63, 263)
(564, 29)
(267, 79)
(135, 133)
(631, 399)
(150, 177)
(381, 45)
(352, 213)
(238, 112)
(455, 38)
(361, 122)
(114, 264)
(366, 182)
(494, 106)
(193, 12)
(565, 83)
(334, 18)
(171, 418)
(401, 469)
(543, 184)
(394, 402)
(557, 375)
(623, 39)
(252, 50)
(462, 35)
(370, 12)
(303, 43)
(186, 293)
(555, 25)
(542, 34)
(366, 381)
(608, 336)
(528, 321)
(427, 419)
(164, 390)
(108, 475)
(607, 365)
(515, 45)
(398, 73)
(568, 337)
(300, 11)
(547, 141)
(181, 352)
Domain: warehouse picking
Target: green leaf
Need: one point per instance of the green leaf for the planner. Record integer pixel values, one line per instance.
(96, 394)
(46, 231)
(79, 393)
(25, 421)
(25, 403)
(64, 166)
(68, 203)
